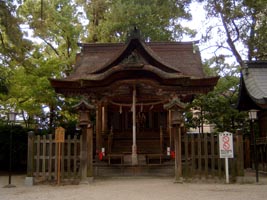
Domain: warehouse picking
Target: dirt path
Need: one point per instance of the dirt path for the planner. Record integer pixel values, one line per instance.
(132, 189)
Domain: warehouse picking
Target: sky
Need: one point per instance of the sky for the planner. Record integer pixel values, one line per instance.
(200, 24)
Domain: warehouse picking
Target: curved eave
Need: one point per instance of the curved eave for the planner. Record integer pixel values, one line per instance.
(144, 51)
(246, 101)
(183, 84)
(253, 88)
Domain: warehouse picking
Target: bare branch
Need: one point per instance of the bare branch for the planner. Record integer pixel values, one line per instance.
(49, 44)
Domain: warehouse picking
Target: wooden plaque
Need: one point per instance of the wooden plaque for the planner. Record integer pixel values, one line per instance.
(60, 135)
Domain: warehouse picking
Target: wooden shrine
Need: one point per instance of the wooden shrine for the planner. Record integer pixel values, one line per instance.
(138, 90)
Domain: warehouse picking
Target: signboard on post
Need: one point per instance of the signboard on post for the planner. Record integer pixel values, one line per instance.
(226, 150)
(60, 135)
(226, 145)
(59, 138)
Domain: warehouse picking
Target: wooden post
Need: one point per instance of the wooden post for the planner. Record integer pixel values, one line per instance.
(247, 161)
(178, 153)
(161, 139)
(239, 153)
(58, 161)
(84, 155)
(193, 157)
(212, 155)
(59, 138)
(30, 154)
(186, 144)
(199, 154)
(84, 110)
(104, 118)
(206, 156)
(98, 128)
(170, 127)
(29, 180)
(134, 148)
(90, 151)
(175, 106)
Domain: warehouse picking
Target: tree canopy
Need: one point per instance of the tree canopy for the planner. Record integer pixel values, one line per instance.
(38, 41)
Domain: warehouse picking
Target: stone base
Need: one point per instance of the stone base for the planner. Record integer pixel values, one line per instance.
(134, 159)
(87, 181)
(179, 180)
(29, 181)
(9, 186)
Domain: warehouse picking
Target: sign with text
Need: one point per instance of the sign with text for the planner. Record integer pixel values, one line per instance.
(60, 135)
(226, 145)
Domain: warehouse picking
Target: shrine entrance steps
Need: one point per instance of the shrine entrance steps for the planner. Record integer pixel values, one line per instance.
(129, 170)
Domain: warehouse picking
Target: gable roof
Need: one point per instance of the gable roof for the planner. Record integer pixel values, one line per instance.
(170, 66)
(167, 57)
(253, 87)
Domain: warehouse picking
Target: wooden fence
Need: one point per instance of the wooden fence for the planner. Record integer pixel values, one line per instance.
(200, 157)
(262, 153)
(43, 162)
(249, 154)
(200, 154)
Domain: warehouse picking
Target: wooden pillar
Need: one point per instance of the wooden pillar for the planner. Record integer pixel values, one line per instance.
(175, 107)
(104, 118)
(90, 151)
(178, 153)
(86, 152)
(84, 155)
(239, 153)
(98, 128)
(247, 151)
(170, 127)
(30, 154)
(134, 148)
(161, 139)
(29, 180)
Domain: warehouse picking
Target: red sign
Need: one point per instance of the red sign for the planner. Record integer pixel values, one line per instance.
(226, 145)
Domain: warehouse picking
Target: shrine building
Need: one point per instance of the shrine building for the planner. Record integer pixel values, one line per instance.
(137, 91)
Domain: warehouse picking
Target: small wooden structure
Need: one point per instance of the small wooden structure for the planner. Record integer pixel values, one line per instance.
(129, 84)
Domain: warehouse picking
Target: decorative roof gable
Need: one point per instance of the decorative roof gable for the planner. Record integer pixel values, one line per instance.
(135, 54)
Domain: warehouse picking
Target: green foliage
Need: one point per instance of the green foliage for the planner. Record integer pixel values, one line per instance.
(242, 24)
(56, 26)
(111, 21)
(219, 106)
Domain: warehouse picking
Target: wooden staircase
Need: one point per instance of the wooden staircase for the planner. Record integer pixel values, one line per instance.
(150, 152)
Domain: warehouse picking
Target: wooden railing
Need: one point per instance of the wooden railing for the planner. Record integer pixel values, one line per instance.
(200, 156)
(42, 158)
(262, 153)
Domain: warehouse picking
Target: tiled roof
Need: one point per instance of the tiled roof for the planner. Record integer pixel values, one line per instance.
(168, 66)
(181, 57)
(254, 78)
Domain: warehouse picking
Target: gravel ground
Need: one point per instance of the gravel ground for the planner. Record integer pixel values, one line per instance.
(132, 188)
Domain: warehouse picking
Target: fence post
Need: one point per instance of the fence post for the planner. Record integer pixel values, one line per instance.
(29, 178)
(90, 152)
(84, 155)
(178, 153)
(247, 161)
(239, 154)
